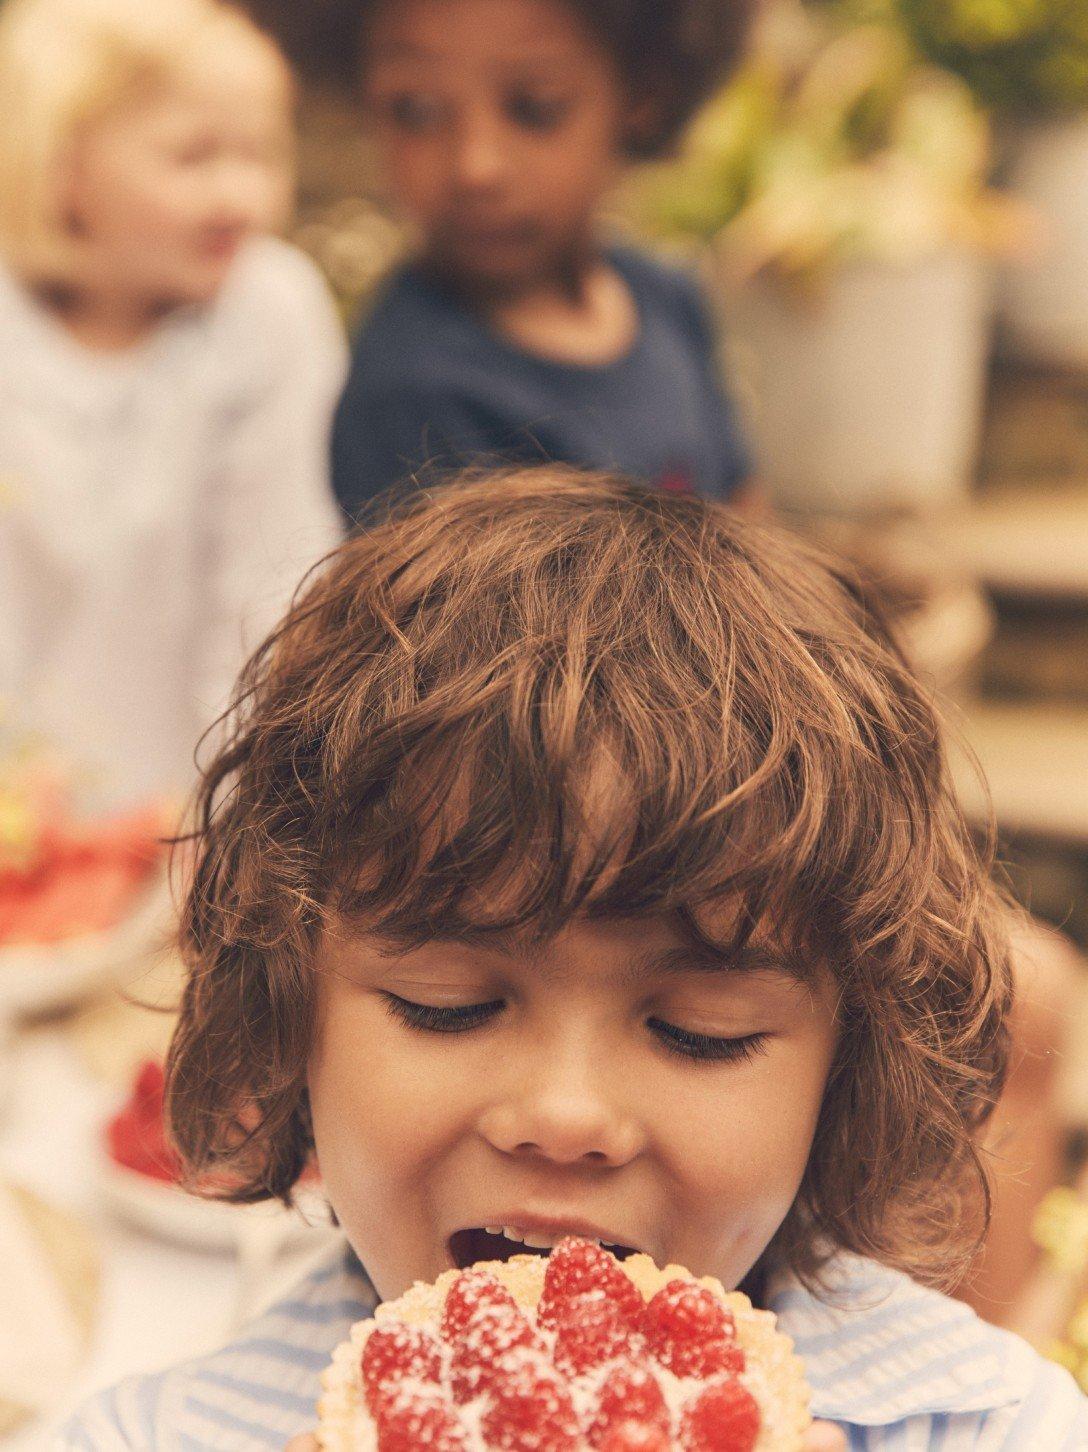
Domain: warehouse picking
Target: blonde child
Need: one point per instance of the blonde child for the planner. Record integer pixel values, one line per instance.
(583, 857)
(167, 376)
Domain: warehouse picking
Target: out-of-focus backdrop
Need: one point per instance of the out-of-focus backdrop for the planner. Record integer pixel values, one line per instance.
(889, 204)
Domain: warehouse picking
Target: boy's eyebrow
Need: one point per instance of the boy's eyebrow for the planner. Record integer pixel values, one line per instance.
(482, 940)
(683, 958)
(693, 958)
(412, 50)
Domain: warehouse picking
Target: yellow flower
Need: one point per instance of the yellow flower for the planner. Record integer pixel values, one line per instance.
(1060, 1230)
(1064, 1355)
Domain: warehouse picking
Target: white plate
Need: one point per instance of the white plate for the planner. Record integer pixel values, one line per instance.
(43, 977)
(166, 1211)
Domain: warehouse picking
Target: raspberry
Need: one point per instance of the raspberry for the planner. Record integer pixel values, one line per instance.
(576, 1266)
(632, 1436)
(689, 1331)
(591, 1330)
(413, 1417)
(490, 1332)
(630, 1392)
(724, 1417)
(472, 1290)
(150, 1084)
(398, 1353)
(529, 1407)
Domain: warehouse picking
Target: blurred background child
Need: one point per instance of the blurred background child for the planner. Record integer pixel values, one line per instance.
(516, 330)
(167, 376)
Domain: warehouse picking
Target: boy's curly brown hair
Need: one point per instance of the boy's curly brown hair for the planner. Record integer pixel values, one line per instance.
(410, 750)
(670, 53)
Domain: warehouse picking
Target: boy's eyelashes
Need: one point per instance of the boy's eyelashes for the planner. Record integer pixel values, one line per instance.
(682, 1042)
(443, 1020)
(535, 112)
(706, 1046)
(411, 112)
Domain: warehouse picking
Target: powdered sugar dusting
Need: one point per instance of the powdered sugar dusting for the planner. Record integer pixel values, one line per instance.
(773, 1374)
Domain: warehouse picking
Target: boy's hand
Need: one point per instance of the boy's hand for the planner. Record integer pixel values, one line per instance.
(822, 1437)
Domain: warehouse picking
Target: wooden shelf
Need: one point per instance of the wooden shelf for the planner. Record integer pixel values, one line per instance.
(1026, 540)
(1034, 757)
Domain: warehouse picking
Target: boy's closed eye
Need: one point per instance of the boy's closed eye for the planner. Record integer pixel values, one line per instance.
(683, 1043)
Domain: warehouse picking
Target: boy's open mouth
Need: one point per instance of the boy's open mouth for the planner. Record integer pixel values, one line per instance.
(500, 1242)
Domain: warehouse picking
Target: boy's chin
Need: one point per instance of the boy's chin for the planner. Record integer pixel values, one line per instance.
(494, 276)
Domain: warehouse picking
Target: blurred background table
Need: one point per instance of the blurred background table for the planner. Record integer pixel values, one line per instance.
(158, 1302)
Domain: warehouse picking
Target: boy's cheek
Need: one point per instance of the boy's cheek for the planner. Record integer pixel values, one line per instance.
(750, 1120)
(739, 1154)
(733, 1196)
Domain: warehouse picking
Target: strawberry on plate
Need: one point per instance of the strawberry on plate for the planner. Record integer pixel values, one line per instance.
(83, 899)
(62, 878)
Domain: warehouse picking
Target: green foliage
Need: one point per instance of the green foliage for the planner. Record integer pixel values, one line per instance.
(832, 143)
(1018, 56)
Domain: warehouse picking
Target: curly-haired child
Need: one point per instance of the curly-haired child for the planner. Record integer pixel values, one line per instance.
(517, 331)
(585, 854)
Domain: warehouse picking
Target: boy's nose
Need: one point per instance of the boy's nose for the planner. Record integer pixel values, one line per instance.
(480, 161)
(557, 1111)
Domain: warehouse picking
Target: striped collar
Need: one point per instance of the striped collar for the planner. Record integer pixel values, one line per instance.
(878, 1347)
(879, 1351)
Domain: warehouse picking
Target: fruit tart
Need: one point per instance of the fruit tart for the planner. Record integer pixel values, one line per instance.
(136, 1135)
(579, 1350)
(64, 876)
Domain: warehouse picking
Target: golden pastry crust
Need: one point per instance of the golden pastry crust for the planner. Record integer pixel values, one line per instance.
(775, 1375)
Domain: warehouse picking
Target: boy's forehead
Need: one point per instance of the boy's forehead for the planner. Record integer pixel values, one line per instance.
(528, 32)
(670, 938)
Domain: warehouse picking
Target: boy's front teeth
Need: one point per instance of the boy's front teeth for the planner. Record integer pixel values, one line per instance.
(535, 1241)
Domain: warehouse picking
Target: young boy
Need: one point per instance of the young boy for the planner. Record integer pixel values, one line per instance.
(582, 858)
(516, 333)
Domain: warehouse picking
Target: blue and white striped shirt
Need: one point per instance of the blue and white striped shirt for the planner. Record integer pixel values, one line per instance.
(899, 1367)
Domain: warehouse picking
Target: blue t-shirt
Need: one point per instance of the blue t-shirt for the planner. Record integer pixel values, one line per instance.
(432, 387)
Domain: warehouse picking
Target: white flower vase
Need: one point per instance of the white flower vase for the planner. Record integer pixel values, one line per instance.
(868, 397)
(1043, 300)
